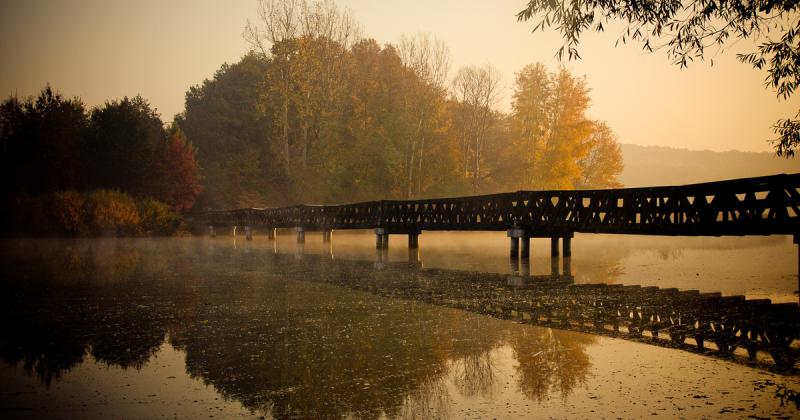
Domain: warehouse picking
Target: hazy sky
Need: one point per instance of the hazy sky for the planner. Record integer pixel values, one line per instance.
(102, 49)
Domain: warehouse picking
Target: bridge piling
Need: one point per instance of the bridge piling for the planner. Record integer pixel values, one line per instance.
(514, 265)
(248, 233)
(515, 234)
(329, 251)
(514, 245)
(381, 258)
(326, 236)
(211, 231)
(381, 238)
(525, 267)
(234, 231)
(567, 244)
(271, 233)
(413, 257)
(413, 240)
(525, 247)
(301, 235)
(554, 246)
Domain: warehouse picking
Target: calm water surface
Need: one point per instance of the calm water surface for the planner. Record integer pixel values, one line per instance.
(221, 327)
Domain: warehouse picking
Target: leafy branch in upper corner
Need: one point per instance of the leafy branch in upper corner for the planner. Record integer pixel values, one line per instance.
(687, 31)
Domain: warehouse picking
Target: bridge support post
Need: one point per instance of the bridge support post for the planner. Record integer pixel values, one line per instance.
(525, 247)
(515, 234)
(567, 266)
(413, 240)
(301, 235)
(525, 267)
(211, 231)
(248, 233)
(413, 257)
(234, 231)
(567, 246)
(326, 236)
(554, 266)
(554, 246)
(381, 238)
(271, 233)
(514, 264)
(381, 258)
(514, 245)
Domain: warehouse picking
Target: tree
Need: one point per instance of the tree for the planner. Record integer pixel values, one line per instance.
(125, 136)
(429, 61)
(369, 162)
(174, 172)
(531, 109)
(554, 144)
(688, 31)
(565, 146)
(475, 89)
(603, 163)
(318, 95)
(42, 143)
(229, 120)
(281, 24)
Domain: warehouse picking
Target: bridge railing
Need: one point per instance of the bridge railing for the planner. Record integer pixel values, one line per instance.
(749, 206)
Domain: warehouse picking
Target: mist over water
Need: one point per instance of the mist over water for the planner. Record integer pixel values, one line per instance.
(230, 327)
(757, 267)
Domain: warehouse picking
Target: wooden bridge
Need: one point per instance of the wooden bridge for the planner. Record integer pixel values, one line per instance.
(767, 205)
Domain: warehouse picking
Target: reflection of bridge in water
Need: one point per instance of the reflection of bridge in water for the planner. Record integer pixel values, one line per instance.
(730, 327)
(284, 349)
(301, 349)
(706, 322)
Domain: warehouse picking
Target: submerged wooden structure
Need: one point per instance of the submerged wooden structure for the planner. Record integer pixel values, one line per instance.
(730, 327)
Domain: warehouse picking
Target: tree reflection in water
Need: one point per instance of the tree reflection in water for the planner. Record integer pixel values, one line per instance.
(276, 333)
(558, 353)
(475, 375)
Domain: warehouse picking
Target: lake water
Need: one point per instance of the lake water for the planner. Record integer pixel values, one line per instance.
(223, 327)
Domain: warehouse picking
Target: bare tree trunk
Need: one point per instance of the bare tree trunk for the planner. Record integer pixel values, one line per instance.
(476, 174)
(410, 176)
(419, 172)
(412, 154)
(304, 161)
(286, 153)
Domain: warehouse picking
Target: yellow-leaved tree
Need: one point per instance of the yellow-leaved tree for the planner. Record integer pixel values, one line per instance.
(558, 146)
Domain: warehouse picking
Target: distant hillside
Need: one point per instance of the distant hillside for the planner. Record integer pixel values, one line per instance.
(654, 165)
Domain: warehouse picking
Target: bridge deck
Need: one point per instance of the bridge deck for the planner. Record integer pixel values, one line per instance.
(749, 206)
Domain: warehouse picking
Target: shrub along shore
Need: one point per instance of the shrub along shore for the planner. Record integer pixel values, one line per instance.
(89, 214)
